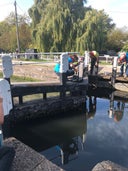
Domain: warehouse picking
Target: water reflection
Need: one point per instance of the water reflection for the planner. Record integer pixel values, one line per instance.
(81, 140)
(68, 149)
(92, 107)
(65, 136)
(116, 109)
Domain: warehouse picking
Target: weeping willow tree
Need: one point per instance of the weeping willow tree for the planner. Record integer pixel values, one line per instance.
(67, 25)
(55, 23)
(93, 29)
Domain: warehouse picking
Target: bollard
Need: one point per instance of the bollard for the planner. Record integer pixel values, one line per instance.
(86, 63)
(114, 70)
(7, 67)
(64, 66)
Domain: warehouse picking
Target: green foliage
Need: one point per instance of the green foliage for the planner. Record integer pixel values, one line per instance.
(93, 31)
(8, 39)
(125, 47)
(62, 25)
(57, 28)
(117, 39)
(22, 79)
(68, 26)
(15, 78)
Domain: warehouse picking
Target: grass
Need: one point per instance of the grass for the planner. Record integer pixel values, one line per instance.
(23, 79)
(33, 60)
(15, 78)
(104, 63)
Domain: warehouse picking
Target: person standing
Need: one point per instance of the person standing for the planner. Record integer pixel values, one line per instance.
(126, 69)
(94, 56)
(73, 63)
(122, 62)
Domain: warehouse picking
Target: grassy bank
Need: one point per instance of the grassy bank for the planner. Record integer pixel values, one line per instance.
(20, 78)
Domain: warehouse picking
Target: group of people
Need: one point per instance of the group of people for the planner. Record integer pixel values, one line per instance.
(123, 62)
(73, 66)
(74, 61)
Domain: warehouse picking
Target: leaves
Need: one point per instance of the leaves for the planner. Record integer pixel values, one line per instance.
(8, 40)
(57, 26)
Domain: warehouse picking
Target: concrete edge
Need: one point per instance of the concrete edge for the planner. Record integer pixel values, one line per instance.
(27, 159)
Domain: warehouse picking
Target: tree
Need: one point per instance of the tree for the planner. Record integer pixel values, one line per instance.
(56, 30)
(93, 29)
(8, 33)
(117, 39)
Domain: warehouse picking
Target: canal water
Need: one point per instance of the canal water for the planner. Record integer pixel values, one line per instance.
(79, 140)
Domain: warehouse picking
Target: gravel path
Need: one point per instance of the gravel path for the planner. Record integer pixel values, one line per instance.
(44, 71)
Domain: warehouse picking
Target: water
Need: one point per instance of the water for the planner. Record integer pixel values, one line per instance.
(78, 142)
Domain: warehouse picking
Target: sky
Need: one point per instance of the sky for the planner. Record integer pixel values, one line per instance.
(116, 9)
(7, 6)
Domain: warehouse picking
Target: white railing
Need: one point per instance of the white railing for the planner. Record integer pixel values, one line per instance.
(53, 56)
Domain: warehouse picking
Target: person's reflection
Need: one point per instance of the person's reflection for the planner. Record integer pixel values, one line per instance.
(72, 144)
(92, 107)
(118, 112)
(67, 149)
